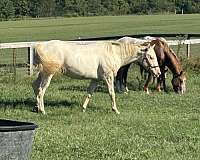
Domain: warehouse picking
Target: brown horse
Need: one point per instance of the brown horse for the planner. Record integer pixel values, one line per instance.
(166, 58)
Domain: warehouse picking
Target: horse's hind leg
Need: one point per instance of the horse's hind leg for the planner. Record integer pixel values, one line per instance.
(39, 86)
(91, 89)
(110, 84)
(36, 89)
(125, 75)
(119, 81)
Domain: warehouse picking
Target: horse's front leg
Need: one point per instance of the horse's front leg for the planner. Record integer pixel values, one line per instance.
(147, 83)
(158, 86)
(164, 81)
(91, 89)
(161, 80)
(110, 84)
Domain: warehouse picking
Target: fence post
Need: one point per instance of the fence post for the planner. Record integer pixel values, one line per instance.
(14, 64)
(30, 60)
(188, 48)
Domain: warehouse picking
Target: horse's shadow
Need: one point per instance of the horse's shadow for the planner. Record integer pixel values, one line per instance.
(137, 85)
(31, 103)
(100, 88)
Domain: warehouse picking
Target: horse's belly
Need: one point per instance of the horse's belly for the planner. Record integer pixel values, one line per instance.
(80, 73)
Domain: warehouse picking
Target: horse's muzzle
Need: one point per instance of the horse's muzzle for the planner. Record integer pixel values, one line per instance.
(156, 71)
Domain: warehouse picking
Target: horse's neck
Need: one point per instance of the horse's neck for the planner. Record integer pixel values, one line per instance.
(173, 63)
(128, 53)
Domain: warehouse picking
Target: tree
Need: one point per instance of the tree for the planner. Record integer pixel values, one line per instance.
(70, 8)
(21, 7)
(95, 7)
(7, 10)
(34, 8)
(47, 8)
(60, 7)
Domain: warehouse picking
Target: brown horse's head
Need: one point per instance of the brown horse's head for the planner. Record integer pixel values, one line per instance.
(178, 83)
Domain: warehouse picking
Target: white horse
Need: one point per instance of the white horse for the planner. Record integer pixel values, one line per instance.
(95, 61)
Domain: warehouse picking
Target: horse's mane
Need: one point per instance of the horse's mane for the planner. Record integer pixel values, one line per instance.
(170, 50)
(127, 49)
(124, 49)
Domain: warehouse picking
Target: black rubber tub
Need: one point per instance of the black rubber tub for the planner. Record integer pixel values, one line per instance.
(16, 139)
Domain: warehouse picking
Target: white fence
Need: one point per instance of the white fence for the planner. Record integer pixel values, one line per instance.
(30, 46)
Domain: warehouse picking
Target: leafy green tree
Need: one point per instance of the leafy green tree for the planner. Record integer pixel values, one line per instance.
(81, 7)
(107, 7)
(34, 8)
(21, 7)
(7, 10)
(95, 7)
(60, 7)
(122, 6)
(44, 8)
(70, 8)
(47, 8)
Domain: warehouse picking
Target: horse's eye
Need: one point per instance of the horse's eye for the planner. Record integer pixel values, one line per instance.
(145, 50)
(150, 57)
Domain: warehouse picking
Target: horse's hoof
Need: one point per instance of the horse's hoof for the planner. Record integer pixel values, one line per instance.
(84, 110)
(43, 112)
(125, 92)
(116, 111)
(126, 89)
(35, 109)
(147, 92)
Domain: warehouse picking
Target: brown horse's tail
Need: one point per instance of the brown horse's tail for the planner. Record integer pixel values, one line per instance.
(46, 63)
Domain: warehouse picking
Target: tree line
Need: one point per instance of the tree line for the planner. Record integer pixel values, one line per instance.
(11, 9)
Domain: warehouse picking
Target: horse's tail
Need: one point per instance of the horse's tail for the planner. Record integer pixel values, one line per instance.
(46, 63)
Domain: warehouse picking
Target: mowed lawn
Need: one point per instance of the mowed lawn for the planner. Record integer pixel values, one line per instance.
(156, 126)
(73, 28)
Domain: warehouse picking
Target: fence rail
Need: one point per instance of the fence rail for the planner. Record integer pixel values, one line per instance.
(185, 39)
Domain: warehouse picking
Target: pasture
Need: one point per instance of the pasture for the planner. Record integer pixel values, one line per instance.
(155, 126)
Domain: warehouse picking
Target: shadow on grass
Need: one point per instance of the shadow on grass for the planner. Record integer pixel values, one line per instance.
(31, 103)
(138, 86)
(100, 88)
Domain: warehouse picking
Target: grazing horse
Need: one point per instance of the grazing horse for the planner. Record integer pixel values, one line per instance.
(87, 60)
(166, 58)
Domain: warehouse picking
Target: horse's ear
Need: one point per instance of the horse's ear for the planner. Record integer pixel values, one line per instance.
(153, 46)
(148, 45)
(183, 75)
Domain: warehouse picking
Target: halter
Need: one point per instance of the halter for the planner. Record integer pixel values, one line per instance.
(149, 64)
(178, 75)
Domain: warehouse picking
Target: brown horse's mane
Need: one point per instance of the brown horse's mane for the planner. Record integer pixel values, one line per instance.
(173, 62)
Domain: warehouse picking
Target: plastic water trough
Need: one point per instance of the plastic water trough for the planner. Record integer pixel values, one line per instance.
(16, 139)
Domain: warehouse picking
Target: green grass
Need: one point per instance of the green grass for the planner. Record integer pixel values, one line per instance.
(72, 28)
(156, 126)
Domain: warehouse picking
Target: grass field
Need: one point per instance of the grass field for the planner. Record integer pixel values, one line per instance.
(72, 28)
(156, 126)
